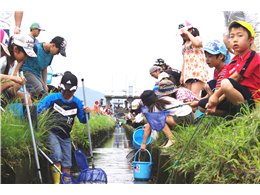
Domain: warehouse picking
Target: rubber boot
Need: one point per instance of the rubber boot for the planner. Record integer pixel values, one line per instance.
(56, 174)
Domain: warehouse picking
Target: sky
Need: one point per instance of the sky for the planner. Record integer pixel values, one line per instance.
(113, 43)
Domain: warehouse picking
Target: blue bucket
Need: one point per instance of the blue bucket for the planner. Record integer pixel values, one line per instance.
(16, 109)
(138, 137)
(142, 170)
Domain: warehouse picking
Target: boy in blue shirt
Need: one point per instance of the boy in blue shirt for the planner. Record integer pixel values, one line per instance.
(63, 107)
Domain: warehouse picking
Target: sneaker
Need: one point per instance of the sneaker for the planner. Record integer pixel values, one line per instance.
(169, 143)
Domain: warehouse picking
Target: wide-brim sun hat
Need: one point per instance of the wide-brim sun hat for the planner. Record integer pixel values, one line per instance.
(166, 87)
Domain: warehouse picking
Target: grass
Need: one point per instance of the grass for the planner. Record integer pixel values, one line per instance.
(16, 142)
(221, 151)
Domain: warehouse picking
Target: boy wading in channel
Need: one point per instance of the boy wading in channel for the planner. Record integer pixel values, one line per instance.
(63, 107)
(243, 73)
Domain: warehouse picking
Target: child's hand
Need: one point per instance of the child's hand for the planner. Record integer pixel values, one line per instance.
(19, 80)
(87, 109)
(212, 104)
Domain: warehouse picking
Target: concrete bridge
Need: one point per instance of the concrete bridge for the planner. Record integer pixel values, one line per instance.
(127, 103)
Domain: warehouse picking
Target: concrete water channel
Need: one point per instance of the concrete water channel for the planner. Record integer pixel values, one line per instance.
(111, 157)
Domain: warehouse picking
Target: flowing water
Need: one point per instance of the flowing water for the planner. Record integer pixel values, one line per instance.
(112, 159)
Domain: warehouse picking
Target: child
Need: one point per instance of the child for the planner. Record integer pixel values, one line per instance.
(63, 107)
(194, 72)
(19, 48)
(242, 77)
(35, 69)
(179, 115)
(217, 57)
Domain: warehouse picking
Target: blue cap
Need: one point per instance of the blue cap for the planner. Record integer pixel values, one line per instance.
(216, 47)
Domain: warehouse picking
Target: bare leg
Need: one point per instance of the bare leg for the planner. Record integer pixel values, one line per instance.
(234, 96)
(147, 132)
(197, 87)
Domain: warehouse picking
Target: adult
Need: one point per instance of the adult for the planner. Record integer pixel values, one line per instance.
(35, 30)
(6, 20)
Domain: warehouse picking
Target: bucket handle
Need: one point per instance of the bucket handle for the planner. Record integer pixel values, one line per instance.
(146, 151)
(140, 127)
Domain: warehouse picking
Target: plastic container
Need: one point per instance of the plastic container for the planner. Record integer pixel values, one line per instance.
(142, 170)
(138, 137)
(49, 75)
(16, 109)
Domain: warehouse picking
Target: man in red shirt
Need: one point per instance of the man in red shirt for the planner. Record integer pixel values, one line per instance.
(243, 72)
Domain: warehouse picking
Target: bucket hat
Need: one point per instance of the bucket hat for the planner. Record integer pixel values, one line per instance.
(166, 87)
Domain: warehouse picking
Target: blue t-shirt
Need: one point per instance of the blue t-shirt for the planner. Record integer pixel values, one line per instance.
(62, 113)
(38, 64)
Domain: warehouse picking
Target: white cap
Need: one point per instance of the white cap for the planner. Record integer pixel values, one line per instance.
(26, 42)
(163, 75)
(136, 104)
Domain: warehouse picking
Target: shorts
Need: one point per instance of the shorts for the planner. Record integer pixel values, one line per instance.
(60, 150)
(226, 105)
(184, 120)
(35, 85)
(192, 80)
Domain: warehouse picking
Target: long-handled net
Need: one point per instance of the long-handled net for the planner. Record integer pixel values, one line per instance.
(91, 175)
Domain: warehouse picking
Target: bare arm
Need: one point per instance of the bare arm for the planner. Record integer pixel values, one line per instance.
(44, 76)
(196, 42)
(18, 17)
(17, 68)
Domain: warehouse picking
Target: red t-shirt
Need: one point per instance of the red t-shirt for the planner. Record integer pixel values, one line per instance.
(251, 77)
(219, 75)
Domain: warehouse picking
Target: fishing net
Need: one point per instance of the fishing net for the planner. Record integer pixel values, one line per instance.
(67, 179)
(92, 176)
(156, 120)
(81, 159)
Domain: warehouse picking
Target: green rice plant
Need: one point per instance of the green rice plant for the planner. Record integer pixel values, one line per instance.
(96, 123)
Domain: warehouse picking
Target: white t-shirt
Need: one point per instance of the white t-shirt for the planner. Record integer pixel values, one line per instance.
(3, 64)
(5, 19)
(179, 111)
